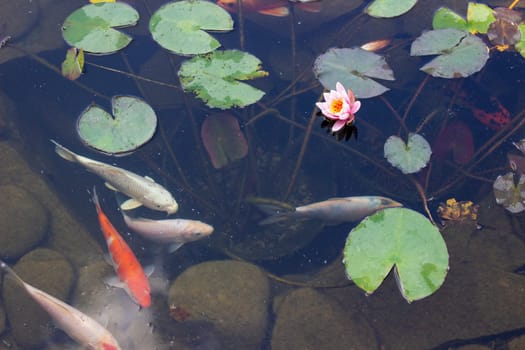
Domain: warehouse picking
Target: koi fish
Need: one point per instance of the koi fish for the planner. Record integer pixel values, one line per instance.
(142, 189)
(331, 211)
(276, 8)
(130, 273)
(173, 231)
(79, 326)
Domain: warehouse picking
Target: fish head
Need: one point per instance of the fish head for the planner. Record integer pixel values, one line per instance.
(385, 202)
(171, 208)
(228, 5)
(204, 230)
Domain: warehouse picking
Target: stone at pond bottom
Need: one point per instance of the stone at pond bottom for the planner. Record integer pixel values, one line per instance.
(307, 319)
(44, 269)
(24, 221)
(231, 295)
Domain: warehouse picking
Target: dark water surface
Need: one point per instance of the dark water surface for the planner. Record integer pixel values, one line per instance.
(248, 286)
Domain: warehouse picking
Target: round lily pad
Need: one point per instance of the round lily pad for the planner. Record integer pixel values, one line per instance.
(215, 78)
(180, 26)
(389, 8)
(402, 239)
(92, 27)
(460, 54)
(355, 68)
(509, 194)
(133, 123)
(410, 157)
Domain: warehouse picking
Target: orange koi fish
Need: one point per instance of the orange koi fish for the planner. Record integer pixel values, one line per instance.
(79, 326)
(129, 271)
(277, 8)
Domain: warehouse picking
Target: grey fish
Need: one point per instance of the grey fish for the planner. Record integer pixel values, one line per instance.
(331, 211)
(176, 232)
(79, 326)
(142, 189)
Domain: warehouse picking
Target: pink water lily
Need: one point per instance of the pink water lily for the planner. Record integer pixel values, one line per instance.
(339, 105)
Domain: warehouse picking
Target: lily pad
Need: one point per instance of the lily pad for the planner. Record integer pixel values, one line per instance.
(460, 54)
(389, 8)
(133, 123)
(180, 26)
(73, 64)
(410, 157)
(215, 78)
(504, 31)
(92, 27)
(355, 68)
(520, 46)
(402, 239)
(223, 139)
(479, 17)
(509, 194)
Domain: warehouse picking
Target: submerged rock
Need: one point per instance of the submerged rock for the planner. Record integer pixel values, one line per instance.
(24, 221)
(232, 296)
(308, 319)
(44, 269)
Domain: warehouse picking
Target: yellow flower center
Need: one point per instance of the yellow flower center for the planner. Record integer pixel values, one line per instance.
(336, 105)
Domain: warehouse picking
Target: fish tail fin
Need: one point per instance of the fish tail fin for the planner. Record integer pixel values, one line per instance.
(64, 152)
(277, 211)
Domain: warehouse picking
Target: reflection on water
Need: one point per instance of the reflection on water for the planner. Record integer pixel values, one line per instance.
(249, 286)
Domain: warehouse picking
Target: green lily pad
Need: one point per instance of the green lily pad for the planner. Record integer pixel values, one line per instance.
(410, 157)
(479, 18)
(389, 8)
(460, 54)
(215, 78)
(354, 68)
(402, 239)
(180, 26)
(92, 27)
(509, 194)
(133, 123)
(223, 139)
(73, 64)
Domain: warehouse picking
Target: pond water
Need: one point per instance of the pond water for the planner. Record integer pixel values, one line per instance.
(246, 285)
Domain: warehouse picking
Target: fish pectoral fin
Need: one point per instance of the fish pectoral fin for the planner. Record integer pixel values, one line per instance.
(130, 204)
(173, 247)
(108, 185)
(277, 11)
(148, 270)
(109, 260)
(114, 281)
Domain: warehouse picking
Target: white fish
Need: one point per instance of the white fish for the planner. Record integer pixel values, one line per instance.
(79, 326)
(142, 189)
(331, 211)
(176, 232)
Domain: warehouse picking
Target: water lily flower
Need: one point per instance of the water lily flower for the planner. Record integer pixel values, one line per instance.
(339, 105)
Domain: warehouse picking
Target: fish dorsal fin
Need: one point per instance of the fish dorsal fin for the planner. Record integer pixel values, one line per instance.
(108, 185)
(130, 204)
(149, 178)
(276, 11)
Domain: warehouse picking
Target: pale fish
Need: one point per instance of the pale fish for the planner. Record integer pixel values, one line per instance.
(79, 326)
(142, 189)
(277, 8)
(175, 232)
(331, 211)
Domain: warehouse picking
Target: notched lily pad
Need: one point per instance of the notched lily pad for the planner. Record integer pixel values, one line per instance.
(355, 68)
(389, 8)
(216, 78)
(410, 157)
(509, 194)
(133, 123)
(460, 54)
(181, 26)
(402, 239)
(92, 27)
(223, 139)
(479, 17)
